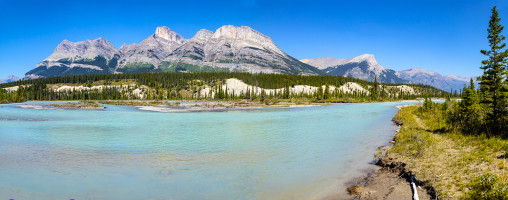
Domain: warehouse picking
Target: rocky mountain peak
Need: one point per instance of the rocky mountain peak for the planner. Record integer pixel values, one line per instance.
(83, 50)
(100, 40)
(230, 48)
(242, 32)
(167, 34)
(371, 62)
(369, 58)
(65, 43)
(123, 47)
(246, 34)
(64, 46)
(202, 35)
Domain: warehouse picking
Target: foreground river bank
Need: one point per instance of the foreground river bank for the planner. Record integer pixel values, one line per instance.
(445, 163)
(124, 152)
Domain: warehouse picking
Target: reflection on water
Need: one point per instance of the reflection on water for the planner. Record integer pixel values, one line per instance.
(124, 153)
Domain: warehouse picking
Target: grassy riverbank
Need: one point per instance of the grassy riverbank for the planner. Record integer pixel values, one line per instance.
(454, 164)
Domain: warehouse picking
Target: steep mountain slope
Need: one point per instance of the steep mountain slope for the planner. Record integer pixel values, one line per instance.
(86, 57)
(230, 48)
(149, 54)
(237, 49)
(363, 67)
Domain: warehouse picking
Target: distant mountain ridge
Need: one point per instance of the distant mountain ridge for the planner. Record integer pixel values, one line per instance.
(363, 67)
(325, 62)
(229, 48)
(447, 83)
(366, 67)
(9, 79)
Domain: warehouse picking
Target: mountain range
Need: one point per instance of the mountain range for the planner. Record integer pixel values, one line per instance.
(9, 79)
(229, 48)
(363, 67)
(366, 67)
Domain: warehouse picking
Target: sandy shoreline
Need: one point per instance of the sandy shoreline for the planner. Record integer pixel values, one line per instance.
(183, 109)
(386, 183)
(36, 107)
(65, 106)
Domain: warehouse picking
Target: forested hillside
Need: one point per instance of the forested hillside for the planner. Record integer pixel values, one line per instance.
(166, 86)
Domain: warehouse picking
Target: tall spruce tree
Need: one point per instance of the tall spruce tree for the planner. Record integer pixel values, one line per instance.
(326, 93)
(492, 82)
(469, 110)
(375, 92)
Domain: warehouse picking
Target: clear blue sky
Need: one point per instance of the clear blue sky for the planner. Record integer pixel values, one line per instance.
(442, 35)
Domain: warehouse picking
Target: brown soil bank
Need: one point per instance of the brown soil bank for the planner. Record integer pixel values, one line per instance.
(390, 181)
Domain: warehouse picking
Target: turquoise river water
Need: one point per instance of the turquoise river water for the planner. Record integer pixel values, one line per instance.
(124, 153)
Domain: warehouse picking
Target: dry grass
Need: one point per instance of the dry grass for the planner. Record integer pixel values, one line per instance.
(446, 160)
(355, 190)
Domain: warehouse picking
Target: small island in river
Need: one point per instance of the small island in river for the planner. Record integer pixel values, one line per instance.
(85, 105)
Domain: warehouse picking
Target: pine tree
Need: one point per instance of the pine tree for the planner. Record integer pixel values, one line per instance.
(374, 93)
(319, 93)
(469, 110)
(326, 93)
(427, 103)
(286, 92)
(493, 83)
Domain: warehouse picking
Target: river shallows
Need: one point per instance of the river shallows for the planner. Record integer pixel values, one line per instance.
(124, 153)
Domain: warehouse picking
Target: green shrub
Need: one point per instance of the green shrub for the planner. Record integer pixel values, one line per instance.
(487, 186)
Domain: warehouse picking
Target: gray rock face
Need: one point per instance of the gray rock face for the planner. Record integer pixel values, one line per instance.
(83, 50)
(152, 50)
(237, 49)
(85, 57)
(230, 48)
(202, 36)
(364, 67)
(169, 35)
